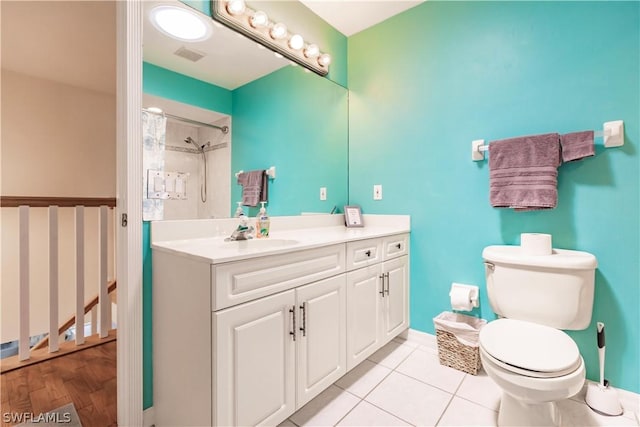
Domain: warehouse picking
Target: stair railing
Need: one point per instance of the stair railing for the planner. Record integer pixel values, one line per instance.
(103, 301)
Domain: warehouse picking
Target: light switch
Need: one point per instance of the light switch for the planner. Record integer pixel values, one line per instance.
(158, 183)
(323, 193)
(377, 192)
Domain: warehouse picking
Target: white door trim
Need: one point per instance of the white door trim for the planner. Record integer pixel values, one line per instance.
(129, 202)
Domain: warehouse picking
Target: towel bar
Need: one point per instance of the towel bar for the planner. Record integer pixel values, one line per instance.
(271, 172)
(612, 133)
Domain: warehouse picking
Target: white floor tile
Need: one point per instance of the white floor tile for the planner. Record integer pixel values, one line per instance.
(363, 378)
(409, 399)
(392, 354)
(480, 389)
(578, 414)
(365, 414)
(424, 366)
(461, 412)
(326, 409)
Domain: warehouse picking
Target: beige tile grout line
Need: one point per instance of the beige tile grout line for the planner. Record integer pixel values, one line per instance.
(362, 399)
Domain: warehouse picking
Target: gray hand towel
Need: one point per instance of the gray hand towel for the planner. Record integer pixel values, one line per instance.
(577, 145)
(524, 172)
(253, 187)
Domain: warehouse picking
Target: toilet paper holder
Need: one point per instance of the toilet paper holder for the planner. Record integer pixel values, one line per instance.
(472, 290)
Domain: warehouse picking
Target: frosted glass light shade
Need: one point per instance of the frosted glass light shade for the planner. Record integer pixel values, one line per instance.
(296, 42)
(236, 7)
(279, 31)
(179, 23)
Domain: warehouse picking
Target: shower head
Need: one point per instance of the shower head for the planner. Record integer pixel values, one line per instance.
(190, 140)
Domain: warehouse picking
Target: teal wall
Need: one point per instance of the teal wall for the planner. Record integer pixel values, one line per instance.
(446, 73)
(168, 84)
(297, 122)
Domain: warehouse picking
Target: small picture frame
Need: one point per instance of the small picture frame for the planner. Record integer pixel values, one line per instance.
(353, 216)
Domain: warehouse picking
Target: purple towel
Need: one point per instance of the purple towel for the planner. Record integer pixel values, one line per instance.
(524, 172)
(254, 187)
(577, 145)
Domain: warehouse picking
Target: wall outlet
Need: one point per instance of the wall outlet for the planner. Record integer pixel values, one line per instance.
(377, 192)
(323, 193)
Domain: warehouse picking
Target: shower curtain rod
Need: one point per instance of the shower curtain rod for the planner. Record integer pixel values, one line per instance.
(224, 129)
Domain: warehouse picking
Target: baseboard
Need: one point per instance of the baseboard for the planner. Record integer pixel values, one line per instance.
(418, 338)
(148, 417)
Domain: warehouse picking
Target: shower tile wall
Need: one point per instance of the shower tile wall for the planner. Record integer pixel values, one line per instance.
(218, 171)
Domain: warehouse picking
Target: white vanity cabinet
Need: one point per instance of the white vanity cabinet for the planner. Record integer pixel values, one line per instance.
(251, 340)
(377, 295)
(277, 353)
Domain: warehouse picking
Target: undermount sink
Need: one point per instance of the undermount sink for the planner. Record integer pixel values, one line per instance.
(261, 243)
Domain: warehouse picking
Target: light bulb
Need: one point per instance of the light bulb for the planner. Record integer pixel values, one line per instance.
(236, 7)
(311, 51)
(296, 42)
(324, 59)
(279, 31)
(259, 19)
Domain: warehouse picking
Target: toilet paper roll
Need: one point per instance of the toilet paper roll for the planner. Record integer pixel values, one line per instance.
(461, 298)
(535, 244)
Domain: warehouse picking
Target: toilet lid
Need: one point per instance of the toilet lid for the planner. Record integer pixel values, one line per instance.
(530, 347)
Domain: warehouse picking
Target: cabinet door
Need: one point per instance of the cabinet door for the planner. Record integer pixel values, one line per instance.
(364, 313)
(254, 362)
(396, 300)
(321, 342)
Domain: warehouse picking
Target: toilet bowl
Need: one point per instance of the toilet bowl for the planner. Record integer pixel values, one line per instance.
(535, 366)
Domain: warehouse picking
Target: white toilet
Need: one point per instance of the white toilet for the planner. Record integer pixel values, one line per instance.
(525, 352)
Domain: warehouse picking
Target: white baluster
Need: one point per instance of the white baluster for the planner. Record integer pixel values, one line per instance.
(23, 349)
(79, 275)
(53, 279)
(105, 303)
(94, 320)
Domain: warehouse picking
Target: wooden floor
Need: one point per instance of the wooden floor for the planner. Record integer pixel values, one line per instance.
(87, 378)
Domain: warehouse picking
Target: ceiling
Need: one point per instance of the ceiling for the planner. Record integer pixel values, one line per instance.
(352, 16)
(48, 39)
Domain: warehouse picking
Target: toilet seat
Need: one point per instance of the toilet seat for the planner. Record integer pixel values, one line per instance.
(529, 349)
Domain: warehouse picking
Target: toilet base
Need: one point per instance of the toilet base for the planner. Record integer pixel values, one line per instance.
(514, 412)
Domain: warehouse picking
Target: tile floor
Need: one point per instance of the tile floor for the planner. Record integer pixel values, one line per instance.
(403, 384)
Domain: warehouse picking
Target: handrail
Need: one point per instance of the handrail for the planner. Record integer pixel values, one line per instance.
(43, 202)
(66, 325)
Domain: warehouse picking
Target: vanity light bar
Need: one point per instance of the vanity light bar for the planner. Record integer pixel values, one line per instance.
(257, 26)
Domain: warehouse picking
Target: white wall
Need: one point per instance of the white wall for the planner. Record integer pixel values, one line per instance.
(57, 140)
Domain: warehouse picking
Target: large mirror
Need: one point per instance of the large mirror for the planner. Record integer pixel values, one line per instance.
(278, 115)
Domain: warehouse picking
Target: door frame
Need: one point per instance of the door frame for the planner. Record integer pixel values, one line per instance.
(129, 203)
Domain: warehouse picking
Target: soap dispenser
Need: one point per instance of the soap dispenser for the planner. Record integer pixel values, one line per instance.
(239, 211)
(262, 223)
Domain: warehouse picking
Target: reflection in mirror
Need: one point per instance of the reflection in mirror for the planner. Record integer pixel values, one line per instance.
(278, 115)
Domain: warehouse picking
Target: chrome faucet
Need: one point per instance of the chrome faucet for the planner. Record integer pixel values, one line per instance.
(243, 232)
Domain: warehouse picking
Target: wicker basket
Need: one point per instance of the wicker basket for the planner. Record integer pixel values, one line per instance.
(454, 354)
(455, 334)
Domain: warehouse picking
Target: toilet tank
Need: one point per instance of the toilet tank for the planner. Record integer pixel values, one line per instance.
(554, 290)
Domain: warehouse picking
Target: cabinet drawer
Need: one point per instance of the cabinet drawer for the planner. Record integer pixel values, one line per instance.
(362, 253)
(237, 282)
(395, 246)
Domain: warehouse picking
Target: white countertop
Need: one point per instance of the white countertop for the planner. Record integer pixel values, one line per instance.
(215, 250)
